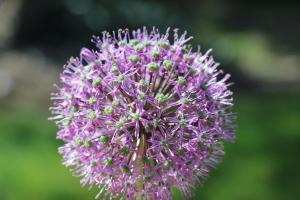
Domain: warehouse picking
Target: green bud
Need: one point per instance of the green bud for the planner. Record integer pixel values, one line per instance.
(109, 161)
(92, 100)
(201, 115)
(145, 160)
(108, 110)
(104, 139)
(210, 121)
(143, 84)
(134, 58)
(156, 122)
(133, 42)
(125, 118)
(185, 101)
(164, 45)
(181, 151)
(155, 53)
(91, 115)
(161, 98)
(139, 47)
(181, 80)
(169, 164)
(164, 143)
(126, 169)
(203, 86)
(121, 77)
(136, 117)
(79, 142)
(149, 127)
(96, 82)
(116, 102)
(88, 142)
(119, 124)
(124, 151)
(141, 96)
(153, 67)
(74, 109)
(191, 70)
(167, 64)
(122, 43)
(114, 69)
(183, 122)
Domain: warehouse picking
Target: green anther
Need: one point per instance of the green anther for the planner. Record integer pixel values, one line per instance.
(134, 58)
(119, 125)
(79, 142)
(181, 80)
(136, 117)
(210, 121)
(92, 100)
(156, 122)
(109, 161)
(164, 143)
(114, 69)
(155, 54)
(161, 98)
(108, 110)
(141, 96)
(167, 64)
(203, 86)
(183, 122)
(191, 70)
(116, 102)
(124, 151)
(181, 151)
(153, 67)
(91, 115)
(133, 42)
(74, 109)
(104, 139)
(139, 47)
(121, 77)
(185, 101)
(169, 164)
(201, 114)
(96, 82)
(126, 169)
(88, 142)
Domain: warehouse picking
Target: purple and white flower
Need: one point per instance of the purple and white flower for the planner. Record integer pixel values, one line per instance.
(141, 114)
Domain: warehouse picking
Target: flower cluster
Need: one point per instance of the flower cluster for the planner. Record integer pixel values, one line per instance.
(141, 114)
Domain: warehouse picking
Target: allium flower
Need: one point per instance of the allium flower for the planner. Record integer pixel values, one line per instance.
(141, 114)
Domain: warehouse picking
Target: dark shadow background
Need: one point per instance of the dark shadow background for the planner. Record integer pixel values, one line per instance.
(256, 41)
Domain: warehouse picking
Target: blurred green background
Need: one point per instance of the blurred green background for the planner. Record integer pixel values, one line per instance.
(257, 42)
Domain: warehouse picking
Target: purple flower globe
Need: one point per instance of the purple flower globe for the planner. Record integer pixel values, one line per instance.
(141, 114)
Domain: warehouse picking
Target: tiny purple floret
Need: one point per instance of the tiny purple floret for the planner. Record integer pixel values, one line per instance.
(140, 114)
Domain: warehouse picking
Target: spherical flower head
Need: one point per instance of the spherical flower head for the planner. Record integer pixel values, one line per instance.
(140, 114)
